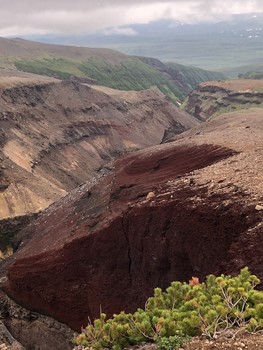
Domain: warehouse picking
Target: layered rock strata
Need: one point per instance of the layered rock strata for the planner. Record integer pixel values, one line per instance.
(55, 135)
(213, 98)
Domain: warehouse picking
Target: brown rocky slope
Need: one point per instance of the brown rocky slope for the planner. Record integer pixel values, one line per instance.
(213, 98)
(106, 250)
(55, 135)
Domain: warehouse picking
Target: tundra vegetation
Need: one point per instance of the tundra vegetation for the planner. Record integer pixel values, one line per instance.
(130, 74)
(183, 310)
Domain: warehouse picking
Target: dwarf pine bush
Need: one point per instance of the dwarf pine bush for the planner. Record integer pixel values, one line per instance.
(181, 311)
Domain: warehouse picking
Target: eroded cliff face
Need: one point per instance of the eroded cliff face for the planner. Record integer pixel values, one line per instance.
(55, 135)
(21, 329)
(190, 207)
(214, 98)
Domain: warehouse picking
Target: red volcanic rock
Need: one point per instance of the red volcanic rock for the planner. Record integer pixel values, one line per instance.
(105, 246)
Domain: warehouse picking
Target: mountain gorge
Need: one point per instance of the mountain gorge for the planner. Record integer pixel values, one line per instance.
(192, 206)
(106, 194)
(56, 135)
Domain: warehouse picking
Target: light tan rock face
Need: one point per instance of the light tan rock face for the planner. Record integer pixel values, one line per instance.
(55, 135)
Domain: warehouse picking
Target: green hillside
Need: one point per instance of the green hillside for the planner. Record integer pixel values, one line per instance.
(193, 75)
(130, 74)
(185, 77)
(102, 66)
(176, 81)
(252, 75)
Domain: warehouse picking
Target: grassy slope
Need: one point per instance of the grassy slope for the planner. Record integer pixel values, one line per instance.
(131, 74)
(253, 75)
(106, 67)
(194, 75)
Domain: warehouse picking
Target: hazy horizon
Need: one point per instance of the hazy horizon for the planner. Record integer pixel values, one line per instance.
(23, 18)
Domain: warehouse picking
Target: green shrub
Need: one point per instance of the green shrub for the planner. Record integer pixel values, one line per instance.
(172, 342)
(208, 308)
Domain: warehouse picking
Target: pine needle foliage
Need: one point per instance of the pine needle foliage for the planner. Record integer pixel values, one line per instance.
(170, 317)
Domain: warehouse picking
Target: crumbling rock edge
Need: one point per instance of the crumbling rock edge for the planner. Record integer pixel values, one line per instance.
(21, 329)
(106, 250)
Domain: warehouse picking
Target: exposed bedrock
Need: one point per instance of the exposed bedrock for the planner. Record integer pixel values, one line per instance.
(56, 135)
(32, 330)
(106, 250)
(214, 98)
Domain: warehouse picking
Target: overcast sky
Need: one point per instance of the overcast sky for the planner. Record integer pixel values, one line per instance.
(29, 17)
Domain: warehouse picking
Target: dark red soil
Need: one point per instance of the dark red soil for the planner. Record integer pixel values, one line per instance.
(106, 247)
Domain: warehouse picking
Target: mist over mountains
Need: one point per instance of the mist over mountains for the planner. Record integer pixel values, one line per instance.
(224, 46)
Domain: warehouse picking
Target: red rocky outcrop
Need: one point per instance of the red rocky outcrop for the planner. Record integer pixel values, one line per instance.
(105, 246)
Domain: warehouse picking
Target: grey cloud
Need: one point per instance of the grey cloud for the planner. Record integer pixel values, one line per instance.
(20, 17)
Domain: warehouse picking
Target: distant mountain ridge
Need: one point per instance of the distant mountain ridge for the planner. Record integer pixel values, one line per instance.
(225, 46)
